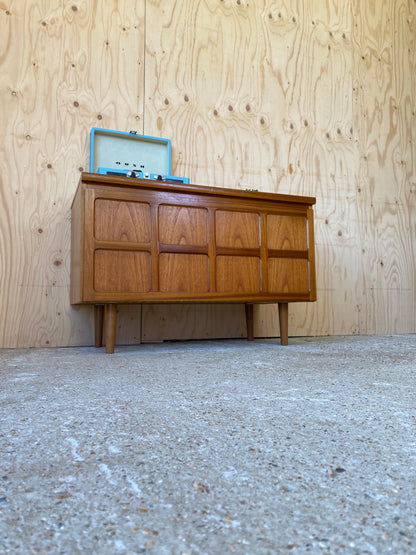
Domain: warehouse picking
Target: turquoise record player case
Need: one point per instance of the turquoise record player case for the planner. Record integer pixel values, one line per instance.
(131, 154)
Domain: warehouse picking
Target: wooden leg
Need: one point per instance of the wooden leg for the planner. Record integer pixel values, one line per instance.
(110, 327)
(250, 321)
(98, 324)
(284, 323)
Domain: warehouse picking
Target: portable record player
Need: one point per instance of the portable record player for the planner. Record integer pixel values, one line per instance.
(131, 155)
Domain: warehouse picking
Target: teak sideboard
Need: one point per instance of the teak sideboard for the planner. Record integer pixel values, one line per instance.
(143, 241)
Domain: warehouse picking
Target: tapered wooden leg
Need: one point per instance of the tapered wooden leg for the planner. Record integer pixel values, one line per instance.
(250, 321)
(98, 324)
(284, 323)
(110, 327)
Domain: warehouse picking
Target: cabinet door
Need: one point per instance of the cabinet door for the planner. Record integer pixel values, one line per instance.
(237, 239)
(287, 262)
(237, 230)
(183, 226)
(117, 220)
(122, 261)
(121, 271)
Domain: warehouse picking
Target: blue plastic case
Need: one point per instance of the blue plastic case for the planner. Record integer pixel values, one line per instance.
(118, 150)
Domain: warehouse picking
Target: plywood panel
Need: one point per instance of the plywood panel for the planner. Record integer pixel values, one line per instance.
(243, 89)
(384, 96)
(254, 95)
(315, 98)
(161, 322)
(64, 67)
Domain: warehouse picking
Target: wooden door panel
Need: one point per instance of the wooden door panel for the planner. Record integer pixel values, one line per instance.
(116, 220)
(288, 275)
(237, 229)
(238, 274)
(121, 271)
(287, 232)
(183, 273)
(182, 225)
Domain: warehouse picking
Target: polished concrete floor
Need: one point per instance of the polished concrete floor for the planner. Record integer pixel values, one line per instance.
(210, 448)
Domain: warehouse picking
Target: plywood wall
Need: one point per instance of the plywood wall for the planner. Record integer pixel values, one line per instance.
(297, 96)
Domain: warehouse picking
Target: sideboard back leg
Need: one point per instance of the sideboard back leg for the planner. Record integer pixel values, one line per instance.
(250, 321)
(98, 324)
(284, 323)
(110, 327)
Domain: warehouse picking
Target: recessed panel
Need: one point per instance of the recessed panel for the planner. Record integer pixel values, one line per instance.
(237, 229)
(238, 274)
(183, 273)
(117, 220)
(182, 225)
(288, 275)
(287, 232)
(121, 271)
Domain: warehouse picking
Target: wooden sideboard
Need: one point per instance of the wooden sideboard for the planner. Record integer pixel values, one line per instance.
(142, 241)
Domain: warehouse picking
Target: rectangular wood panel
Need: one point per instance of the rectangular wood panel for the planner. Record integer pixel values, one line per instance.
(287, 232)
(288, 275)
(117, 220)
(237, 229)
(118, 271)
(238, 274)
(183, 225)
(183, 273)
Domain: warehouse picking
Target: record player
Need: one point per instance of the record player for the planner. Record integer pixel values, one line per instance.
(131, 155)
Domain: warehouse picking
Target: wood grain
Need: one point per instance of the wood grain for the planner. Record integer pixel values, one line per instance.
(181, 225)
(64, 67)
(122, 221)
(183, 273)
(314, 98)
(237, 229)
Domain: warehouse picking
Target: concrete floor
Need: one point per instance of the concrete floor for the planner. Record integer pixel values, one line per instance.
(210, 448)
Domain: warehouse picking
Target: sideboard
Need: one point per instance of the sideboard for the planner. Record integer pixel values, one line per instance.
(144, 241)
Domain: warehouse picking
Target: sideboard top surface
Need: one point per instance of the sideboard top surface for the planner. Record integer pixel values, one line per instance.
(123, 182)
